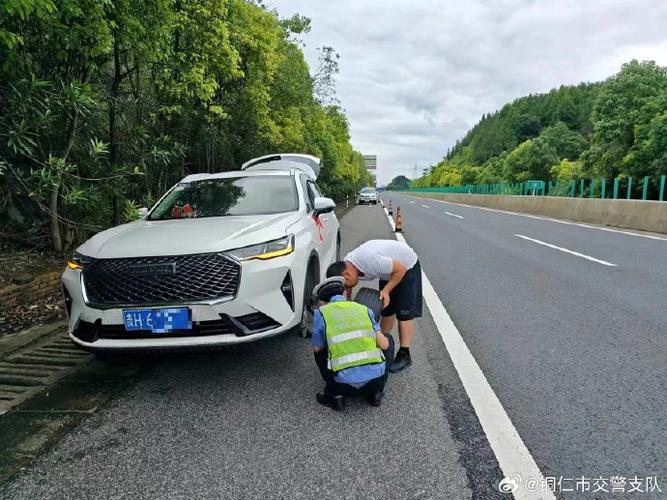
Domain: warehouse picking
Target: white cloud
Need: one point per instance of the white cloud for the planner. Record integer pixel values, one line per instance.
(416, 75)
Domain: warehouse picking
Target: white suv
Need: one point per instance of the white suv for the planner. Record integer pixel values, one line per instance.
(367, 195)
(220, 259)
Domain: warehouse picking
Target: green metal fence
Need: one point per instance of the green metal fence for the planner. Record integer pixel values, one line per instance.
(645, 188)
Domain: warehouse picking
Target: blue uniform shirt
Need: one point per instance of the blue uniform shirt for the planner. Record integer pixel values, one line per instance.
(357, 375)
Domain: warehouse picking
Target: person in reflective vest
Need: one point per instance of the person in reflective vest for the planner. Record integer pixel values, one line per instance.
(350, 349)
(397, 267)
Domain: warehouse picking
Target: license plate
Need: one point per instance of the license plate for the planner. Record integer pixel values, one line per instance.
(158, 320)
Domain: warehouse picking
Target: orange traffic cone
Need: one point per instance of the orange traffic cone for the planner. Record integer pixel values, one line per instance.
(398, 227)
(390, 211)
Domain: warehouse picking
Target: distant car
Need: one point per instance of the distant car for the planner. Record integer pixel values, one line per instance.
(367, 195)
(221, 259)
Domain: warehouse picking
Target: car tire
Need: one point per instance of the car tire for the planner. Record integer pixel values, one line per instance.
(306, 324)
(371, 299)
(338, 248)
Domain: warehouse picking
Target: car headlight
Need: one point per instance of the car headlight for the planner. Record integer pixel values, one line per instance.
(78, 261)
(264, 251)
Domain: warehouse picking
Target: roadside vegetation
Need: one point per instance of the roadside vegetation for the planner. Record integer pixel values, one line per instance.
(614, 128)
(105, 104)
(399, 182)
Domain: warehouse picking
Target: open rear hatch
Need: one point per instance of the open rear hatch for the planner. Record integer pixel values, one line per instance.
(285, 161)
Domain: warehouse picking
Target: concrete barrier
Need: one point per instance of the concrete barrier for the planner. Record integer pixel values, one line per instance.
(631, 214)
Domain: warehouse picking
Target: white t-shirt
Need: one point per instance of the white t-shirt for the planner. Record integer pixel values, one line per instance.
(374, 258)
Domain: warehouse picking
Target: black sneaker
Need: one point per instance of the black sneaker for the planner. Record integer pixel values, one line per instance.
(376, 399)
(400, 362)
(334, 402)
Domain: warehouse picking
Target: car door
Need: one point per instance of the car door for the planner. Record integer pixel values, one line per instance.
(311, 224)
(327, 226)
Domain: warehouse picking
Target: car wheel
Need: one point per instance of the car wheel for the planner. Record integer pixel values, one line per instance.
(371, 299)
(306, 324)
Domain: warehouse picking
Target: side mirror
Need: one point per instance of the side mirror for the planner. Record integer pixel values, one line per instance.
(323, 205)
(143, 212)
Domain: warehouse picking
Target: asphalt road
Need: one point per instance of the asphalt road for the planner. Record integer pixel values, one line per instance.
(576, 350)
(243, 423)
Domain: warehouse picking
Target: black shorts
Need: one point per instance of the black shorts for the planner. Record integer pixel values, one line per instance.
(405, 301)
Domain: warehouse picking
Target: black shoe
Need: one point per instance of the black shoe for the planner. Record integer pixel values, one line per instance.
(376, 399)
(400, 362)
(334, 402)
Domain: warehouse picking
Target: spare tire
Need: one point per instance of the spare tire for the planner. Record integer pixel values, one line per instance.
(371, 299)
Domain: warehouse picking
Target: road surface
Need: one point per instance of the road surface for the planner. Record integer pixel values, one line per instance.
(569, 325)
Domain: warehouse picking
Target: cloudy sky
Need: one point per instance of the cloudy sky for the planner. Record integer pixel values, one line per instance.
(416, 75)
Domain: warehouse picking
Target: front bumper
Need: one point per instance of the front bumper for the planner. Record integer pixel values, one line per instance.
(260, 309)
(367, 200)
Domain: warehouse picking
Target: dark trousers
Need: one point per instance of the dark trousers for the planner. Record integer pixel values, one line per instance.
(334, 388)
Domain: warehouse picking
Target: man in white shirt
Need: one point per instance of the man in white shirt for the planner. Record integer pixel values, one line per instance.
(397, 267)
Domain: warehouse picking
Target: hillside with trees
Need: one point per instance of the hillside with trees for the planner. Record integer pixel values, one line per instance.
(614, 128)
(105, 105)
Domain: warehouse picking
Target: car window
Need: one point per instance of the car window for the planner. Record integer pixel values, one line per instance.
(312, 192)
(252, 195)
(317, 189)
(306, 195)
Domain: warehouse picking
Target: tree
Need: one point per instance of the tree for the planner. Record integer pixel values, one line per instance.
(649, 155)
(10, 10)
(399, 182)
(531, 159)
(627, 102)
(141, 33)
(565, 142)
(324, 80)
(470, 174)
(527, 126)
(567, 170)
(492, 171)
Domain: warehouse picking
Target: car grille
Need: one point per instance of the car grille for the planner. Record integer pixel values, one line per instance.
(160, 280)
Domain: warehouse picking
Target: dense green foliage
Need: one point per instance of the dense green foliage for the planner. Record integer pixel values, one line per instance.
(399, 182)
(617, 127)
(105, 104)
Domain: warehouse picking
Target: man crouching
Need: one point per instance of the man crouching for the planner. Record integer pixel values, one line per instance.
(350, 349)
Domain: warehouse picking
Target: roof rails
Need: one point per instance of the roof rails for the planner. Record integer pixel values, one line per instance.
(285, 161)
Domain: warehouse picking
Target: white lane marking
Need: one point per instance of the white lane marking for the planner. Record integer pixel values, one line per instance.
(426, 206)
(571, 252)
(391, 221)
(411, 202)
(559, 221)
(512, 454)
(453, 215)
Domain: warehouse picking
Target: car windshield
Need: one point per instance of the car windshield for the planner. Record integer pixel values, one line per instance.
(252, 195)
(368, 190)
